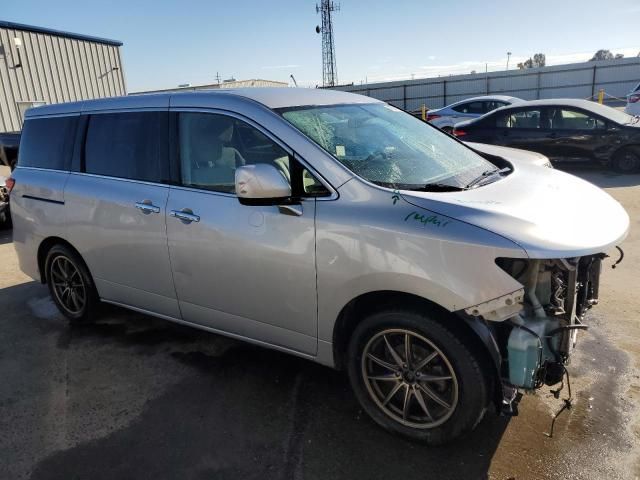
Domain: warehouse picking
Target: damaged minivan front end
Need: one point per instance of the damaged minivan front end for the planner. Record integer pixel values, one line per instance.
(566, 227)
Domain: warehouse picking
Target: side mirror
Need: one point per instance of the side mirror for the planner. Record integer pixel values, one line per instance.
(261, 182)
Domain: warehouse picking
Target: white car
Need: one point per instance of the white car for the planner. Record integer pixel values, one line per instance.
(446, 117)
(514, 155)
(633, 101)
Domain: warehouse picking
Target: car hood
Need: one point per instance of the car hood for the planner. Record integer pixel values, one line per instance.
(550, 214)
(512, 154)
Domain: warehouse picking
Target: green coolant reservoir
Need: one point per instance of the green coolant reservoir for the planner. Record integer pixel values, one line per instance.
(524, 349)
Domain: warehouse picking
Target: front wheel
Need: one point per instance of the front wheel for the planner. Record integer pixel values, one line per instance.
(415, 377)
(70, 284)
(626, 161)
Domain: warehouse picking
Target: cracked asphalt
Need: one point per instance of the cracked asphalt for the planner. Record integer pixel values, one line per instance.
(133, 397)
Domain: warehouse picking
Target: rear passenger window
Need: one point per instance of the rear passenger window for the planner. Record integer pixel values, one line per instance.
(47, 142)
(519, 119)
(471, 107)
(126, 145)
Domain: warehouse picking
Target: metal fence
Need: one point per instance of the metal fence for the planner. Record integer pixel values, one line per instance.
(579, 80)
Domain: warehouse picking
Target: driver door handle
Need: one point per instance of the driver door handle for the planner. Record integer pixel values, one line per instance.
(186, 215)
(552, 135)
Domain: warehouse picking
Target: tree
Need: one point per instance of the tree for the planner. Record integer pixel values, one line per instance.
(538, 60)
(602, 55)
(619, 55)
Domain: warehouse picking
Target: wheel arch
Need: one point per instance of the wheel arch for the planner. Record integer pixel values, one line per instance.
(45, 246)
(474, 333)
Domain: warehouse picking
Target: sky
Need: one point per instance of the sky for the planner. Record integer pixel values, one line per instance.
(167, 43)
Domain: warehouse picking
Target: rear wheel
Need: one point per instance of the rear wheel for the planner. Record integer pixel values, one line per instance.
(414, 377)
(70, 284)
(626, 160)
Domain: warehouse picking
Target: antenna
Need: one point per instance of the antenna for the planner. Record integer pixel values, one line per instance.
(294, 80)
(329, 70)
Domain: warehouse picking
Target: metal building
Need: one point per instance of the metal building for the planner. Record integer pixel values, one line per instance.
(42, 66)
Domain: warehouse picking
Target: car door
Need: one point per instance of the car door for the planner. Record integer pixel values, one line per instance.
(115, 207)
(521, 128)
(575, 134)
(247, 270)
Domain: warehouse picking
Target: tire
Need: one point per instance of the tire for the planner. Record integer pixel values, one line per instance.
(66, 272)
(439, 409)
(626, 160)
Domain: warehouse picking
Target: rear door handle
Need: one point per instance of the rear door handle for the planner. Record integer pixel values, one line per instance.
(147, 207)
(185, 215)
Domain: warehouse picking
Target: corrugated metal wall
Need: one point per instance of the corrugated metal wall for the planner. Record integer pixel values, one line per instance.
(54, 69)
(578, 80)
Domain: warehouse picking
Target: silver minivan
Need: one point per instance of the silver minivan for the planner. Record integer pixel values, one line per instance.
(325, 224)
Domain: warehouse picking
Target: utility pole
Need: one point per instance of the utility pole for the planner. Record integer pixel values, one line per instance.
(508, 58)
(329, 70)
(217, 78)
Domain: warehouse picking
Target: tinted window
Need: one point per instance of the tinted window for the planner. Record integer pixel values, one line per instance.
(566, 119)
(471, 107)
(492, 105)
(47, 142)
(519, 119)
(125, 145)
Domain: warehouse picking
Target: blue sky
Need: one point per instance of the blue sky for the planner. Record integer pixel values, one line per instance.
(167, 43)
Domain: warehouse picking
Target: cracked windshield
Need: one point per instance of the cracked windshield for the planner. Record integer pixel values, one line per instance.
(388, 147)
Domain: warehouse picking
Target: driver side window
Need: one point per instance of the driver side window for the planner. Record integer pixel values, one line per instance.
(212, 146)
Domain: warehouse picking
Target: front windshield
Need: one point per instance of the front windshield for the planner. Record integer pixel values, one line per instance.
(387, 146)
(611, 113)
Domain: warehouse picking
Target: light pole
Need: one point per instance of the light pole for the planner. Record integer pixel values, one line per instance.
(508, 58)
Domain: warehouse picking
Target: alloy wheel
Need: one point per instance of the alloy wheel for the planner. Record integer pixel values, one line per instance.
(68, 285)
(409, 378)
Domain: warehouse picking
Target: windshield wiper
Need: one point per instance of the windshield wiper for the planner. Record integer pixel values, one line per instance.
(487, 174)
(439, 187)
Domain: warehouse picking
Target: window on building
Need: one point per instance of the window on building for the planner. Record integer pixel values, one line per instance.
(47, 142)
(125, 145)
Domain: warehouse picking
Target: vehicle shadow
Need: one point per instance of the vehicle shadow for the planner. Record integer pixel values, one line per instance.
(240, 411)
(601, 176)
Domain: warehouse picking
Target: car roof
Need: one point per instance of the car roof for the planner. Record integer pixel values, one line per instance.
(505, 98)
(594, 107)
(485, 98)
(271, 97)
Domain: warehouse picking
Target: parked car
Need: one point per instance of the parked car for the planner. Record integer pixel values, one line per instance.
(562, 130)
(446, 117)
(9, 148)
(324, 224)
(515, 155)
(633, 101)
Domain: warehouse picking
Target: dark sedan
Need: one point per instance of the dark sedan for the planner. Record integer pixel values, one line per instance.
(562, 130)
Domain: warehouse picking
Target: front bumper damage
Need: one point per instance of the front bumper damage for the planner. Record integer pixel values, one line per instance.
(534, 329)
